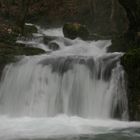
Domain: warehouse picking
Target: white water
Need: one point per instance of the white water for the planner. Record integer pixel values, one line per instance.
(76, 90)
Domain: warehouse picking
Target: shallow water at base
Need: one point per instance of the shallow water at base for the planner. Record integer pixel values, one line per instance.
(67, 128)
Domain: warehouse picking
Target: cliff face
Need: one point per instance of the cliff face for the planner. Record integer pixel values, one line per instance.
(131, 64)
(131, 59)
(102, 16)
(109, 17)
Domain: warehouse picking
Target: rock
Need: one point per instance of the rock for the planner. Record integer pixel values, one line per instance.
(19, 49)
(131, 64)
(118, 44)
(98, 37)
(132, 10)
(29, 30)
(74, 30)
(9, 52)
(53, 46)
(47, 39)
(122, 43)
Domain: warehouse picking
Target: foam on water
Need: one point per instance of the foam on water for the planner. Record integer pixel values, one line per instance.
(51, 32)
(62, 126)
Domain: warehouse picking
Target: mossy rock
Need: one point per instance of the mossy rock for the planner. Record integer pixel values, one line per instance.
(29, 30)
(131, 64)
(19, 49)
(121, 43)
(74, 30)
(8, 53)
(131, 60)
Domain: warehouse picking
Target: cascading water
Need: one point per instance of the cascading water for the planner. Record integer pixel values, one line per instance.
(73, 85)
(77, 84)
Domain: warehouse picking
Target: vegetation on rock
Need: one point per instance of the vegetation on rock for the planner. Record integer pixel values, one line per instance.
(8, 51)
(74, 30)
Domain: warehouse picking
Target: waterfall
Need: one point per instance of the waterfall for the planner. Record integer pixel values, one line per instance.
(81, 79)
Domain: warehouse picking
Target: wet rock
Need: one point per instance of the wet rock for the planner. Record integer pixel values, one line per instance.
(19, 49)
(53, 46)
(8, 53)
(47, 39)
(74, 30)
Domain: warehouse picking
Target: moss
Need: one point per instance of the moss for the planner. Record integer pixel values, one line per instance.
(131, 63)
(74, 30)
(70, 31)
(8, 38)
(121, 43)
(131, 60)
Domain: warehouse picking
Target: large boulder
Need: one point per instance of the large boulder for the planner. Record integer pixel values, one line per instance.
(74, 30)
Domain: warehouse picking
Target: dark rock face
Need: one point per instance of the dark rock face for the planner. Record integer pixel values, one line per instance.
(131, 63)
(122, 43)
(74, 30)
(130, 39)
(96, 14)
(131, 10)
